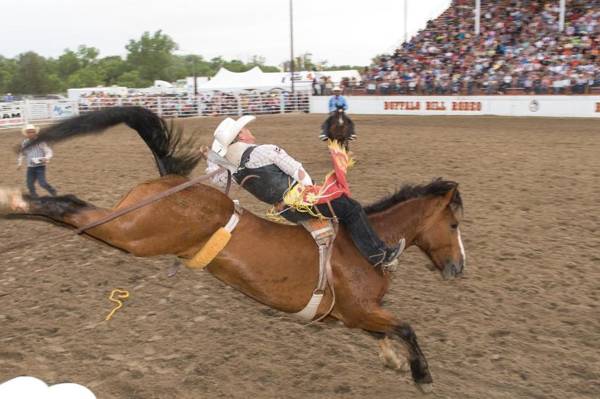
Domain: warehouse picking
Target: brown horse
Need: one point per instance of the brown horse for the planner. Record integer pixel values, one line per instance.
(273, 263)
(339, 127)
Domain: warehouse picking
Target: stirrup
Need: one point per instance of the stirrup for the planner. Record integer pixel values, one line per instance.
(323, 137)
(391, 265)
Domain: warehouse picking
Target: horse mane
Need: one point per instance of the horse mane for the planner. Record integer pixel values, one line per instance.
(436, 188)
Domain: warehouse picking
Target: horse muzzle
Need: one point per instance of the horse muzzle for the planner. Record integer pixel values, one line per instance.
(453, 269)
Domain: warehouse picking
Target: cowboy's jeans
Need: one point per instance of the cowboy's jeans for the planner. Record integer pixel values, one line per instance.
(353, 216)
(38, 173)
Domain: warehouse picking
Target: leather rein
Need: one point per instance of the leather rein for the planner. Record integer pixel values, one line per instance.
(153, 198)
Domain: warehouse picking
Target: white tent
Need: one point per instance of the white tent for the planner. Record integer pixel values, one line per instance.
(254, 79)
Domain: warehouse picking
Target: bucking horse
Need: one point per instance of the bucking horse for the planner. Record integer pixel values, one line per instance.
(276, 264)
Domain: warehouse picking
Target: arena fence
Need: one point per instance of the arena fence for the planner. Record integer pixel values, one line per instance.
(169, 106)
(546, 106)
(17, 113)
(206, 104)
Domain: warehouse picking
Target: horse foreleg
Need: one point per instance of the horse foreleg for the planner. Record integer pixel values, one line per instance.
(389, 356)
(387, 328)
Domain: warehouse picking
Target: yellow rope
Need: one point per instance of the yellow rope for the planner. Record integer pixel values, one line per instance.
(122, 295)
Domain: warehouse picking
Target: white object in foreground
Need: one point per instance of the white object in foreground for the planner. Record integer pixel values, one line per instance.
(31, 387)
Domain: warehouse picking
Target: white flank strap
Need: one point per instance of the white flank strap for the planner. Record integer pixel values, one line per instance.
(233, 221)
(310, 310)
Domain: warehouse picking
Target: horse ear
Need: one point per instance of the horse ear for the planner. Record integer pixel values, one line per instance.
(448, 199)
(454, 201)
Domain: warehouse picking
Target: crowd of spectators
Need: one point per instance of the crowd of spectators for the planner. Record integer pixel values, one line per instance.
(323, 86)
(207, 103)
(520, 49)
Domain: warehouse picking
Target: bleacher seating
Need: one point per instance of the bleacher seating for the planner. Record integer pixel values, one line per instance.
(519, 50)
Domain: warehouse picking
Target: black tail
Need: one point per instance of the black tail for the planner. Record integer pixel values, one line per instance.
(173, 153)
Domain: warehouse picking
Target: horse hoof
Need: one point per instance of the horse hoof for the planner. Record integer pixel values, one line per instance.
(390, 358)
(11, 201)
(425, 388)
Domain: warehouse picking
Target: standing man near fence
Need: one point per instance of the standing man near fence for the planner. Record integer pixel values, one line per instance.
(37, 157)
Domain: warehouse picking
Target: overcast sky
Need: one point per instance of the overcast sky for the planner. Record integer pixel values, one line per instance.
(339, 31)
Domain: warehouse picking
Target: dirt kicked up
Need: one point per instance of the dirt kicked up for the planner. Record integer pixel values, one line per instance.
(522, 323)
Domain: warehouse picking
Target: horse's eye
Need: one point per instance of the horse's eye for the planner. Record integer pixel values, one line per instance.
(454, 226)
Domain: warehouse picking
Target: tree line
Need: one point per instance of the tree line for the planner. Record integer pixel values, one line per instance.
(149, 58)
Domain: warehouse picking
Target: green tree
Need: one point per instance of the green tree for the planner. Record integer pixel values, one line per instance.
(32, 76)
(151, 56)
(87, 55)
(7, 71)
(67, 64)
(260, 61)
(132, 79)
(111, 68)
(86, 77)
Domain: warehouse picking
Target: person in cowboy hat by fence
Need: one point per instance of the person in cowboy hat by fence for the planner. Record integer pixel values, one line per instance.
(336, 102)
(270, 174)
(37, 157)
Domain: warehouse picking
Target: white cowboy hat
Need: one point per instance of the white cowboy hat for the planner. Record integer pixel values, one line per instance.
(227, 131)
(337, 88)
(29, 127)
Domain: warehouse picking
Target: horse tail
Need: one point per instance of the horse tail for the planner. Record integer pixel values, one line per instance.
(173, 153)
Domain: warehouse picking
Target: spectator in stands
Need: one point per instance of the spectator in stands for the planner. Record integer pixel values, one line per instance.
(37, 157)
(519, 48)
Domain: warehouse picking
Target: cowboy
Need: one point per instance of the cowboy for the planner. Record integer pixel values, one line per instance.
(269, 173)
(337, 101)
(37, 157)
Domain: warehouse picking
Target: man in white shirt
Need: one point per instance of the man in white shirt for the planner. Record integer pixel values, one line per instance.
(37, 157)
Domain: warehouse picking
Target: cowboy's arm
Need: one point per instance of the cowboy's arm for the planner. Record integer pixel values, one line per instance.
(220, 179)
(48, 154)
(344, 103)
(21, 155)
(332, 104)
(289, 165)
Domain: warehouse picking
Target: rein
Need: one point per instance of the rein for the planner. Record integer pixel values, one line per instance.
(154, 198)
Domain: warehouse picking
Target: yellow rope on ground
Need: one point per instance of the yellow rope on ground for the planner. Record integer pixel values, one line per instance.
(122, 295)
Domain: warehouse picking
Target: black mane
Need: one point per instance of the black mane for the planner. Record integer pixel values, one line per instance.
(437, 187)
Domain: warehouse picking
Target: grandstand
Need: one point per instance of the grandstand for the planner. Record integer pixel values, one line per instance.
(506, 47)
(520, 50)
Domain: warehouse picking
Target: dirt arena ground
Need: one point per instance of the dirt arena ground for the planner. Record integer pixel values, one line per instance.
(524, 322)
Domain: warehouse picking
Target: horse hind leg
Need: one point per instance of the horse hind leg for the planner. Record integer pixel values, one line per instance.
(67, 209)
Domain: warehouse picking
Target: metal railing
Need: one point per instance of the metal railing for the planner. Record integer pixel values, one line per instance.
(205, 104)
(17, 113)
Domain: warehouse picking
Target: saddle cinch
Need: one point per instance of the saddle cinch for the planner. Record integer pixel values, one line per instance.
(323, 232)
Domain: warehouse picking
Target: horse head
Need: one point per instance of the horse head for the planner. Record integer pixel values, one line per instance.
(440, 236)
(428, 216)
(340, 126)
